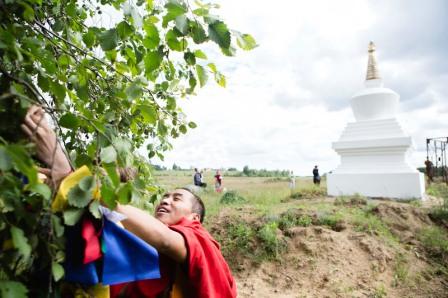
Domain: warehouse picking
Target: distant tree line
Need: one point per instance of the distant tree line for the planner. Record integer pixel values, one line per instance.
(232, 171)
(248, 172)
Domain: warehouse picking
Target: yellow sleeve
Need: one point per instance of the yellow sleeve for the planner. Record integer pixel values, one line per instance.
(60, 201)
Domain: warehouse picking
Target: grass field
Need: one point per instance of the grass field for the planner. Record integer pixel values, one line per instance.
(262, 193)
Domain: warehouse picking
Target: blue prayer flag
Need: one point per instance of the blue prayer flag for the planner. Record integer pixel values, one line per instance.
(127, 258)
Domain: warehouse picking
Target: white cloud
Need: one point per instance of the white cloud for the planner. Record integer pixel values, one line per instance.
(288, 99)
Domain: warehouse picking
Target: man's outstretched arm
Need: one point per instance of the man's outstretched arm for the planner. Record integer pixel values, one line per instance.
(154, 232)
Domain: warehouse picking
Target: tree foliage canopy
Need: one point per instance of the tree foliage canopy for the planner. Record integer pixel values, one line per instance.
(111, 86)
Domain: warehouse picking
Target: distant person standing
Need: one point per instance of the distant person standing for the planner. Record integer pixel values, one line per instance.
(316, 176)
(197, 179)
(429, 170)
(218, 181)
(292, 182)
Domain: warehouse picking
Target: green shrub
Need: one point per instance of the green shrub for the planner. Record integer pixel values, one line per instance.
(271, 243)
(304, 221)
(401, 269)
(380, 292)
(435, 240)
(241, 236)
(309, 193)
(439, 190)
(231, 197)
(293, 218)
(355, 200)
(365, 221)
(329, 219)
(439, 213)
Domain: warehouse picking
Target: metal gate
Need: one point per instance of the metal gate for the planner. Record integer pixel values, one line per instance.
(436, 155)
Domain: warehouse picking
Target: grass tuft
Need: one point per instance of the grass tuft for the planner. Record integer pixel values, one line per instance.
(232, 197)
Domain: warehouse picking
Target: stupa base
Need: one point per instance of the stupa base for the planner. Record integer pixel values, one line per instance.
(385, 185)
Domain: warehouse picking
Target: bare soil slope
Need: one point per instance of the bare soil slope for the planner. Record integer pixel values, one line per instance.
(340, 258)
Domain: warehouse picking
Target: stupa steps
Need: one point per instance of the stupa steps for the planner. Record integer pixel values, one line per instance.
(372, 130)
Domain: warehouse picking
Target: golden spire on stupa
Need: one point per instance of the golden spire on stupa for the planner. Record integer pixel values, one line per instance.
(372, 68)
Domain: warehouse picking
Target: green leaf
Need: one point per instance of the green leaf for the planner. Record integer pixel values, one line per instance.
(108, 195)
(108, 154)
(149, 4)
(57, 270)
(198, 33)
(108, 39)
(69, 120)
(58, 91)
(125, 193)
(173, 42)
(41, 189)
(87, 184)
(192, 82)
(220, 79)
(219, 33)
(230, 51)
(58, 26)
(112, 174)
(152, 61)
(190, 58)
(43, 82)
(202, 75)
(182, 24)
(83, 92)
(22, 162)
(124, 30)
(246, 42)
(212, 67)
(28, 12)
(58, 228)
(71, 9)
(183, 129)
(192, 125)
(149, 113)
(94, 209)
(200, 54)
(134, 91)
(64, 60)
(174, 9)
(12, 289)
(152, 38)
(89, 38)
(200, 12)
(72, 216)
(78, 197)
(5, 160)
(20, 241)
(111, 55)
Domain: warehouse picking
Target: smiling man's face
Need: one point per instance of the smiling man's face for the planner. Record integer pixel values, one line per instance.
(174, 206)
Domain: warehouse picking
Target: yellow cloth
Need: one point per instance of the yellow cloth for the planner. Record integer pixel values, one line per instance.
(100, 291)
(60, 201)
(97, 291)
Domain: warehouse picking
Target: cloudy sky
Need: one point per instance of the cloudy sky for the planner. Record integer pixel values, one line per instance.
(288, 100)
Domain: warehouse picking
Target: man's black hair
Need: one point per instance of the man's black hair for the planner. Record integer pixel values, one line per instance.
(197, 204)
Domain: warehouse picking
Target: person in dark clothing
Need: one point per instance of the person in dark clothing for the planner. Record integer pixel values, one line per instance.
(429, 171)
(316, 176)
(197, 179)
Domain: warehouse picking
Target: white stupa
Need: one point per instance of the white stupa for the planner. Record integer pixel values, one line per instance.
(374, 149)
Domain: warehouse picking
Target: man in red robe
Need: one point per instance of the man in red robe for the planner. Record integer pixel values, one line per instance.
(191, 261)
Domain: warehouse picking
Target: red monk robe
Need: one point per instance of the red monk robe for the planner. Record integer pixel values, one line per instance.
(204, 274)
